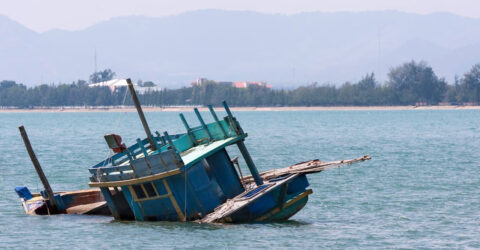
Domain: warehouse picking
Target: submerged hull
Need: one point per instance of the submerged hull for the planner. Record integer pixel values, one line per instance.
(183, 177)
(87, 202)
(200, 194)
(174, 195)
(278, 199)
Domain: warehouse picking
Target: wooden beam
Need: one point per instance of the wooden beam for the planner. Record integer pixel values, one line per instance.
(37, 166)
(217, 121)
(153, 145)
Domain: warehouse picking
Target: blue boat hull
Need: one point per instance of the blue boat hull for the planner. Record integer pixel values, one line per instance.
(180, 196)
(279, 203)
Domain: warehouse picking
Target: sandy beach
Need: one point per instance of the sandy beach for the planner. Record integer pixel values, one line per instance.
(237, 109)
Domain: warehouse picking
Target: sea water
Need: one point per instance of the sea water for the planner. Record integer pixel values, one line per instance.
(421, 189)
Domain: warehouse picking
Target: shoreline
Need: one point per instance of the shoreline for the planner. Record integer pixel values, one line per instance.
(190, 108)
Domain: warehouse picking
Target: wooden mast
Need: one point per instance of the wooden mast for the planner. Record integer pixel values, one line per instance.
(140, 113)
(243, 149)
(37, 166)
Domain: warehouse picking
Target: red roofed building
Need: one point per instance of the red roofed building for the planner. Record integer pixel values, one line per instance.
(245, 84)
(238, 85)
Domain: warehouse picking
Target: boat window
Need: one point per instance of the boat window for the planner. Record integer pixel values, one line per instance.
(150, 189)
(139, 192)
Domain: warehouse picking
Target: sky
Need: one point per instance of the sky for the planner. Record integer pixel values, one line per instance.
(44, 15)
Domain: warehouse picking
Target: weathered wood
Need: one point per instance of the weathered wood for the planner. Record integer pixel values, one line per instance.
(37, 166)
(240, 201)
(307, 167)
(86, 208)
(153, 146)
(251, 166)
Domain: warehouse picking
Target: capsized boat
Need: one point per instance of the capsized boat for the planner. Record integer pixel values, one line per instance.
(47, 202)
(191, 176)
(86, 202)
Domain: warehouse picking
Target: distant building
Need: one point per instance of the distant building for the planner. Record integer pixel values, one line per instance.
(238, 85)
(116, 84)
(418, 104)
(199, 81)
(245, 84)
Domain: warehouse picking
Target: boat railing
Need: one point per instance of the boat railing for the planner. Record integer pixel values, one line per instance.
(140, 160)
(149, 165)
(125, 165)
(135, 151)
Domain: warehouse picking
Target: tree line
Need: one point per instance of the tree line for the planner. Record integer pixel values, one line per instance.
(411, 83)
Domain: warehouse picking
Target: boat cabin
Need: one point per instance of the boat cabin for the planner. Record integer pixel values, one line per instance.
(174, 177)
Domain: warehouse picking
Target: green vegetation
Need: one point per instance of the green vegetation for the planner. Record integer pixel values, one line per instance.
(408, 84)
(102, 76)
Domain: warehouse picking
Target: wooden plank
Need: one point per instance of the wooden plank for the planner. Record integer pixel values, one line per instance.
(240, 201)
(85, 208)
(134, 181)
(308, 167)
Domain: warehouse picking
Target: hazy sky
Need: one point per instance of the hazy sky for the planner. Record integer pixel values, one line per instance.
(42, 15)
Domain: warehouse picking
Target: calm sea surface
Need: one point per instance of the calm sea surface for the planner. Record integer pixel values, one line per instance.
(420, 190)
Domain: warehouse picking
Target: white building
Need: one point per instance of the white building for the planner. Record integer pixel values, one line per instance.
(115, 84)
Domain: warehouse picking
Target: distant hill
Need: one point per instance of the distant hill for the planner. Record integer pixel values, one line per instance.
(286, 50)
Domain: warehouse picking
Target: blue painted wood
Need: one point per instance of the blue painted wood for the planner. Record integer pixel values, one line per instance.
(142, 147)
(23, 192)
(204, 181)
(209, 184)
(273, 200)
(111, 205)
(160, 137)
(172, 145)
(220, 168)
(134, 206)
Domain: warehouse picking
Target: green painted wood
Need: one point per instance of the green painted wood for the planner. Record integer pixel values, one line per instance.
(251, 166)
(187, 127)
(198, 153)
(203, 124)
(142, 147)
(217, 121)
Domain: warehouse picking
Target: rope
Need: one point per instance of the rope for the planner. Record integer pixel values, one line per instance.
(117, 124)
(120, 116)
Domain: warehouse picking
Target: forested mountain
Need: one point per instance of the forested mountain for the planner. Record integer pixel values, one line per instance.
(285, 50)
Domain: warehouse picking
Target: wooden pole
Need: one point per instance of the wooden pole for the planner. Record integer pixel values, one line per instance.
(37, 166)
(217, 121)
(204, 126)
(251, 166)
(140, 113)
(189, 132)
